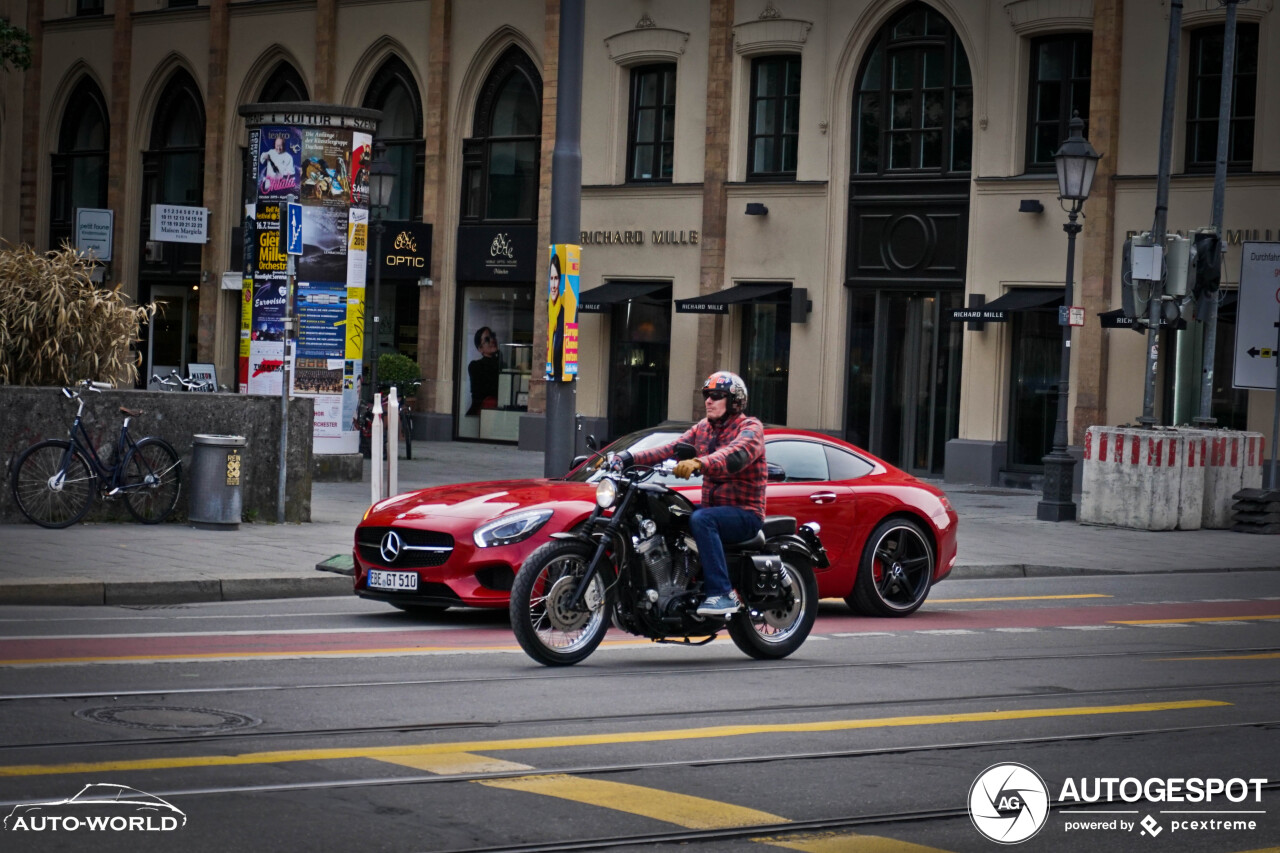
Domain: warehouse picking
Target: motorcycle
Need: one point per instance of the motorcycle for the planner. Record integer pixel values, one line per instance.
(634, 562)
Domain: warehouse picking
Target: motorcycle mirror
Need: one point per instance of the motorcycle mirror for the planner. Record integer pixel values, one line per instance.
(592, 444)
(777, 474)
(685, 451)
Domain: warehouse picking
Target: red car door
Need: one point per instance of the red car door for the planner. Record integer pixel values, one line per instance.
(809, 494)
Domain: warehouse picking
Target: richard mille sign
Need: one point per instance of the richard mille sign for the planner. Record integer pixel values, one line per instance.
(639, 237)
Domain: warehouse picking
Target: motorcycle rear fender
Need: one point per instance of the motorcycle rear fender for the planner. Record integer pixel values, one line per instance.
(795, 546)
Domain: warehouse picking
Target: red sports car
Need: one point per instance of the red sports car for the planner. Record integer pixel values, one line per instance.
(889, 536)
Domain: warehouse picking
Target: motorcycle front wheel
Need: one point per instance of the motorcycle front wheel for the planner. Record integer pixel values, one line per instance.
(548, 626)
(772, 634)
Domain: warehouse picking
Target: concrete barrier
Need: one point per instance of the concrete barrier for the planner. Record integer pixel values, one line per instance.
(1234, 463)
(1143, 479)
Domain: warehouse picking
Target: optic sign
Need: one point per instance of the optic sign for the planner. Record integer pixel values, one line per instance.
(294, 245)
(1256, 313)
(94, 228)
(179, 223)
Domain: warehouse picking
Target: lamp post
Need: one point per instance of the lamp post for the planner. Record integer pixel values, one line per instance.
(382, 179)
(1076, 161)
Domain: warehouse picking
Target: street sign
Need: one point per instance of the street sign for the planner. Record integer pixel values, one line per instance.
(294, 229)
(1256, 315)
(94, 227)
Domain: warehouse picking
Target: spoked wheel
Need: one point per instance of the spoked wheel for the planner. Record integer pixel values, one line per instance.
(776, 633)
(49, 493)
(549, 627)
(152, 480)
(896, 570)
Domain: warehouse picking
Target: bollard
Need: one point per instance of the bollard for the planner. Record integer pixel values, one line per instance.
(393, 443)
(375, 447)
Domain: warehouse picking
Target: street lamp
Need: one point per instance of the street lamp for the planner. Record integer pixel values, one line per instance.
(382, 179)
(1076, 161)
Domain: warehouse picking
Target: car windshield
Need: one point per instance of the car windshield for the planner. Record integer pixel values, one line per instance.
(591, 470)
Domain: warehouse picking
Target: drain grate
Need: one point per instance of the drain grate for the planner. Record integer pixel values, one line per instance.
(169, 718)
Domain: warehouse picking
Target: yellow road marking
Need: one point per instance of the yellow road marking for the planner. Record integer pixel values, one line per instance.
(454, 763)
(1194, 619)
(557, 742)
(668, 806)
(1260, 656)
(1018, 598)
(843, 842)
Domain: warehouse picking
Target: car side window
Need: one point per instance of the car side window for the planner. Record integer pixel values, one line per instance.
(803, 461)
(846, 466)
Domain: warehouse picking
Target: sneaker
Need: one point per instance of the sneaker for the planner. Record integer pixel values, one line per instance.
(720, 605)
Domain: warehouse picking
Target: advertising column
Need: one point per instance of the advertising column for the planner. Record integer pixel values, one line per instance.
(318, 155)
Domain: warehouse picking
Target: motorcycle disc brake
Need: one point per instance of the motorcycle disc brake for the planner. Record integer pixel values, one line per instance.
(559, 602)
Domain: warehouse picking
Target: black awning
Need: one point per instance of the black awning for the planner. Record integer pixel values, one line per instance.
(719, 302)
(598, 300)
(1021, 299)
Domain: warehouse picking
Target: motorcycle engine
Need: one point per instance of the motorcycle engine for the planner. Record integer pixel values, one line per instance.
(653, 550)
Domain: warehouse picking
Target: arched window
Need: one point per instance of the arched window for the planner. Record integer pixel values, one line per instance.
(79, 168)
(173, 167)
(500, 161)
(913, 107)
(284, 84)
(395, 93)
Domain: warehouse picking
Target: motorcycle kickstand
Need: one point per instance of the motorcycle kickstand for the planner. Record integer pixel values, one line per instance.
(686, 641)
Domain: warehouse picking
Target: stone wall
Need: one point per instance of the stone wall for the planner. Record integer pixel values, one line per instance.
(28, 415)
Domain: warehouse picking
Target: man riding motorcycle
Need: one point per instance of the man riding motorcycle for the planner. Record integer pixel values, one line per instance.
(730, 456)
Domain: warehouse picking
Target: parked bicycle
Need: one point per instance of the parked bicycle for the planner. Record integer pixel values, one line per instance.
(176, 380)
(364, 423)
(55, 481)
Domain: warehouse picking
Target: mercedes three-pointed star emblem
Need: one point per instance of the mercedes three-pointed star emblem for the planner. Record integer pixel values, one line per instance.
(391, 545)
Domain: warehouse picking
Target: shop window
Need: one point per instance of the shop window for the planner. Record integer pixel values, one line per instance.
(1204, 91)
(651, 139)
(913, 110)
(79, 168)
(495, 342)
(1059, 87)
(766, 358)
(774, 132)
(395, 93)
(500, 160)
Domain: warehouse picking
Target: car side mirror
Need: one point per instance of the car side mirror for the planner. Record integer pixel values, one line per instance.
(577, 460)
(777, 474)
(592, 444)
(685, 451)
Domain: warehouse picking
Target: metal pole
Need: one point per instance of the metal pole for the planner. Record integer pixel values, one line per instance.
(378, 228)
(1148, 418)
(1273, 483)
(282, 222)
(1206, 418)
(566, 214)
(1059, 465)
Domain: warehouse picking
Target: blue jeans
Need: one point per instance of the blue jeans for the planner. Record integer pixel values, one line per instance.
(712, 527)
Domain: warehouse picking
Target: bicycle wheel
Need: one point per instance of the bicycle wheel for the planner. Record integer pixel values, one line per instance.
(151, 481)
(53, 484)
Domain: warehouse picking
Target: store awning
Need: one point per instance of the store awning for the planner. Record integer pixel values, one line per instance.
(598, 300)
(998, 310)
(719, 302)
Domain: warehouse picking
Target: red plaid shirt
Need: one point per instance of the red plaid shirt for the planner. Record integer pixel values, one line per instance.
(732, 457)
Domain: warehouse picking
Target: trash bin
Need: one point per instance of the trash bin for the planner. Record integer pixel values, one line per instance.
(215, 481)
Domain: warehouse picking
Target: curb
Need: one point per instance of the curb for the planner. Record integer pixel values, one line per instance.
(82, 593)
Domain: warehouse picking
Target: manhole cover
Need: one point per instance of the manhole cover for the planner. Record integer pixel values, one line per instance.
(167, 718)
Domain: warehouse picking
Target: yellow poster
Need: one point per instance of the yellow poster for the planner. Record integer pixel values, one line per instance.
(562, 312)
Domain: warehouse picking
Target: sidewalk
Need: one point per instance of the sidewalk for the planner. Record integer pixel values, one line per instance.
(133, 564)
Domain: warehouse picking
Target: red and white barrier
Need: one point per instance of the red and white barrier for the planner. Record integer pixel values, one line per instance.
(1144, 479)
(1234, 463)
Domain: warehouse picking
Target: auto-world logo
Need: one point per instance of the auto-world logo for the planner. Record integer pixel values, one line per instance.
(1008, 803)
(99, 807)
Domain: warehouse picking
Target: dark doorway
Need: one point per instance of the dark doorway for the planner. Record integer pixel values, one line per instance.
(1034, 369)
(639, 364)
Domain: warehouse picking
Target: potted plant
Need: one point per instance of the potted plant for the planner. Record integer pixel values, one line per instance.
(400, 371)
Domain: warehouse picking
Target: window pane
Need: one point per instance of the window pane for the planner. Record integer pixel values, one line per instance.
(766, 117)
(931, 149)
(669, 86)
(513, 180)
(1047, 142)
(791, 115)
(869, 134)
(515, 112)
(1048, 104)
(935, 23)
(1049, 61)
(766, 359)
(398, 118)
(1243, 97)
(934, 110)
(911, 25)
(1208, 97)
(762, 158)
(902, 69)
(1080, 100)
(642, 168)
(87, 180)
(902, 112)
(961, 71)
(667, 152)
(899, 151)
(766, 78)
(962, 132)
(668, 123)
(933, 68)
(644, 126)
(1241, 144)
(646, 89)
(793, 77)
(788, 153)
(871, 77)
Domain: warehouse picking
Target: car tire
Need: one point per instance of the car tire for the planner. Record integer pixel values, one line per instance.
(896, 570)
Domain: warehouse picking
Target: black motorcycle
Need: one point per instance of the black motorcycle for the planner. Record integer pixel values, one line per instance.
(634, 562)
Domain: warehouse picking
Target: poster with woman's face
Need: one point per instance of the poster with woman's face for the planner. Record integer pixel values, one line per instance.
(562, 312)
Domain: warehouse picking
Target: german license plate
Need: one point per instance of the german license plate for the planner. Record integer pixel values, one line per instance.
(399, 581)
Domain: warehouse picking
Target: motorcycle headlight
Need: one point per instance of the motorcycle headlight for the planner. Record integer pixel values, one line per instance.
(509, 529)
(606, 493)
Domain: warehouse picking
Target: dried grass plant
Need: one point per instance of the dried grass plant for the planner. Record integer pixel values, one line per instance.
(57, 327)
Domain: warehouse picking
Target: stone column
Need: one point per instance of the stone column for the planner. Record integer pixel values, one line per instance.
(326, 50)
(31, 147)
(1098, 243)
(213, 255)
(123, 245)
(550, 82)
(714, 202)
(435, 201)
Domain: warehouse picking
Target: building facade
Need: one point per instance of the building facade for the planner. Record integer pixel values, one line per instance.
(798, 190)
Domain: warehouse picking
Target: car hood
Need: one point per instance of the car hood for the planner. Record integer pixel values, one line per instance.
(479, 501)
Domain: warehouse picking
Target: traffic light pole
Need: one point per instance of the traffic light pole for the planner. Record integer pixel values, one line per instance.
(1206, 418)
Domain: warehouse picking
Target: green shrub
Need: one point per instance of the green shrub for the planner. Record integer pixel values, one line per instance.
(57, 327)
(400, 371)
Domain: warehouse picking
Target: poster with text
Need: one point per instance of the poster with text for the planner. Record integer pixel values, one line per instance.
(322, 320)
(361, 154)
(328, 416)
(279, 153)
(324, 244)
(326, 167)
(562, 312)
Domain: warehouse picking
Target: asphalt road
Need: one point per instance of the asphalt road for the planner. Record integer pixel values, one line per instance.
(338, 724)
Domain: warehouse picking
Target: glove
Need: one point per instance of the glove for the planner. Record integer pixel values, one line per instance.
(686, 469)
(619, 461)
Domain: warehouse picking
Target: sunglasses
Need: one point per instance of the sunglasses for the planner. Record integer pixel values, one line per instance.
(488, 339)
(714, 395)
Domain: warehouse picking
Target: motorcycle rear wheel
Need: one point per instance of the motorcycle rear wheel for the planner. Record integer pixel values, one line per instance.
(774, 634)
(546, 625)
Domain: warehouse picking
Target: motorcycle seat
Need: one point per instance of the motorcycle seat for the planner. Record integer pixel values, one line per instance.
(779, 525)
(753, 543)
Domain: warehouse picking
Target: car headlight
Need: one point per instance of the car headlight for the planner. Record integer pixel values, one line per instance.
(509, 529)
(606, 493)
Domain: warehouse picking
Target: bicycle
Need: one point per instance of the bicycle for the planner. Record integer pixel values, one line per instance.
(364, 424)
(55, 481)
(174, 378)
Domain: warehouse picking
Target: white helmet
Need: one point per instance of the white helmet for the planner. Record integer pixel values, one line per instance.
(730, 384)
